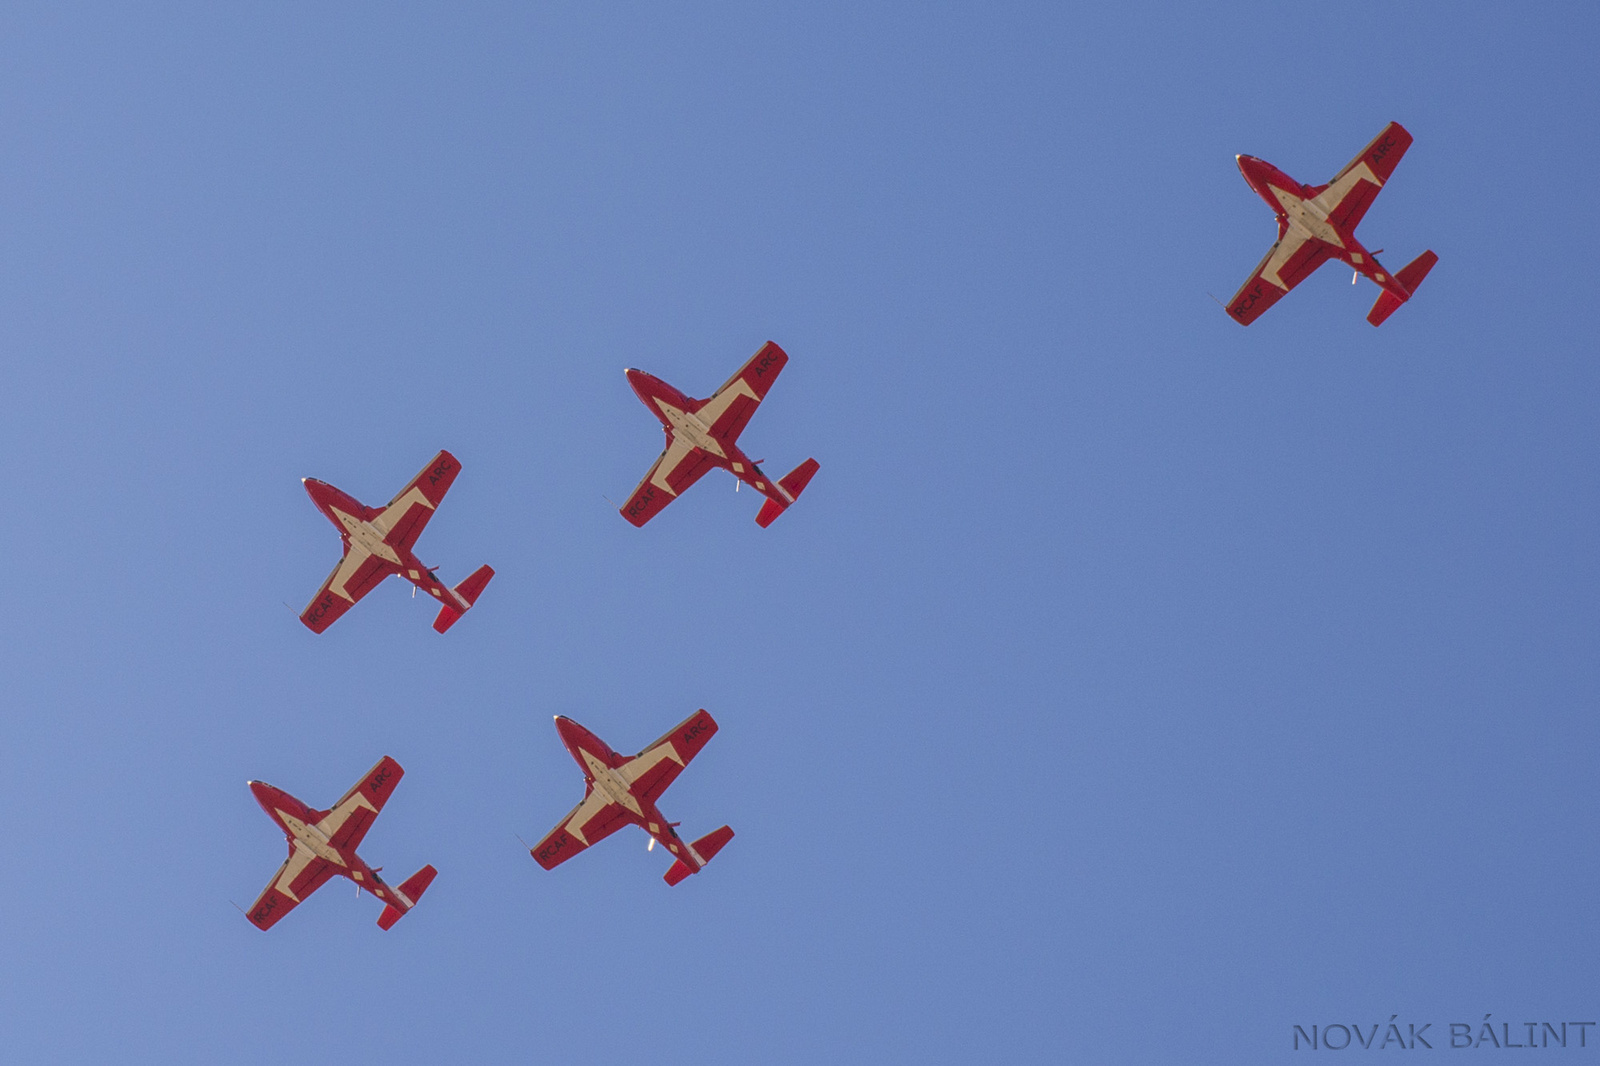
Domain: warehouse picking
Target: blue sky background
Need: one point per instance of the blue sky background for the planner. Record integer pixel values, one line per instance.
(1127, 687)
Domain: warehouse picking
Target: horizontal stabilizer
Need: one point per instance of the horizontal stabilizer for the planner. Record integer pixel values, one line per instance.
(468, 590)
(412, 890)
(794, 483)
(705, 847)
(1409, 276)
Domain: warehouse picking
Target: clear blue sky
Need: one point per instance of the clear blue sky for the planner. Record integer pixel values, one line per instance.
(1128, 687)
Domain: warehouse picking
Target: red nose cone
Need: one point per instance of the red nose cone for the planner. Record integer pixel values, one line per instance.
(571, 732)
(642, 384)
(578, 740)
(264, 794)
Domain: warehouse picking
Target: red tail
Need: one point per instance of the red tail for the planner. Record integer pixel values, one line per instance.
(468, 590)
(794, 483)
(412, 890)
(705, 847)
(1409, 277)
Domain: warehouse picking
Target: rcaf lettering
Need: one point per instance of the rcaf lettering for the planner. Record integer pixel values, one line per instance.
(444, 467)
(644, 500)
(1249, 301)
(320, 608)
(378, 779)
(766, 361)
(693, 731)
(1382, 149)
(553, 849)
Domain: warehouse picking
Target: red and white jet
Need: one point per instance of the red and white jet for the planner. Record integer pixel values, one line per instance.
(621, 790)
(323, 843)
(378, 542)
(1318, 223)
(701, 434)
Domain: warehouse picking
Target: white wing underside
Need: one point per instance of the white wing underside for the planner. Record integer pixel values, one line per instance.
(330, 826)
(637, 768)
(353, 560)
(299, 859)
(714, 408)
(1281, 254)
(677, 451)
(1331, 197)
(592, 804)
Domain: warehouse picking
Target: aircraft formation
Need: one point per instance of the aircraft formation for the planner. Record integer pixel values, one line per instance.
(1315, 224)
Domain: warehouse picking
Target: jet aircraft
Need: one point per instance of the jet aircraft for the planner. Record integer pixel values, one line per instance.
(1318, 223)
(621, 790)
(378, 543)
(702, 434)
(323, 843)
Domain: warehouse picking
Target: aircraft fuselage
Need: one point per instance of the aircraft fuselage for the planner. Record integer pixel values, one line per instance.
(598, 762)
(1297, 210)
(298, 823)
(346, 513)
(677, 415)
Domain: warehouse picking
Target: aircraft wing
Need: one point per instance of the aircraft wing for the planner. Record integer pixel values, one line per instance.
(652, 770)
(1348, 196)
(588, 823)
(1289, 262)
(403, 520)
(296, 879)
(347, 823)
(357, 574)
(730, 407)
(680, 466)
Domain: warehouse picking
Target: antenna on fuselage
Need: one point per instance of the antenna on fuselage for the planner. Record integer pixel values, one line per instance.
(1218, 302)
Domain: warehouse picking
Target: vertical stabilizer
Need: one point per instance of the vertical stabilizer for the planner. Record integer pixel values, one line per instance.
(793, 483)
(1409, 277)
(468, 590)
(705, 847)
(412, 891)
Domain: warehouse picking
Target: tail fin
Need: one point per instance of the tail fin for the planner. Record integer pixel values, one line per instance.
(1409, 277)
(412, 890)
(705, 847)
(468, 590)
(794, 483)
